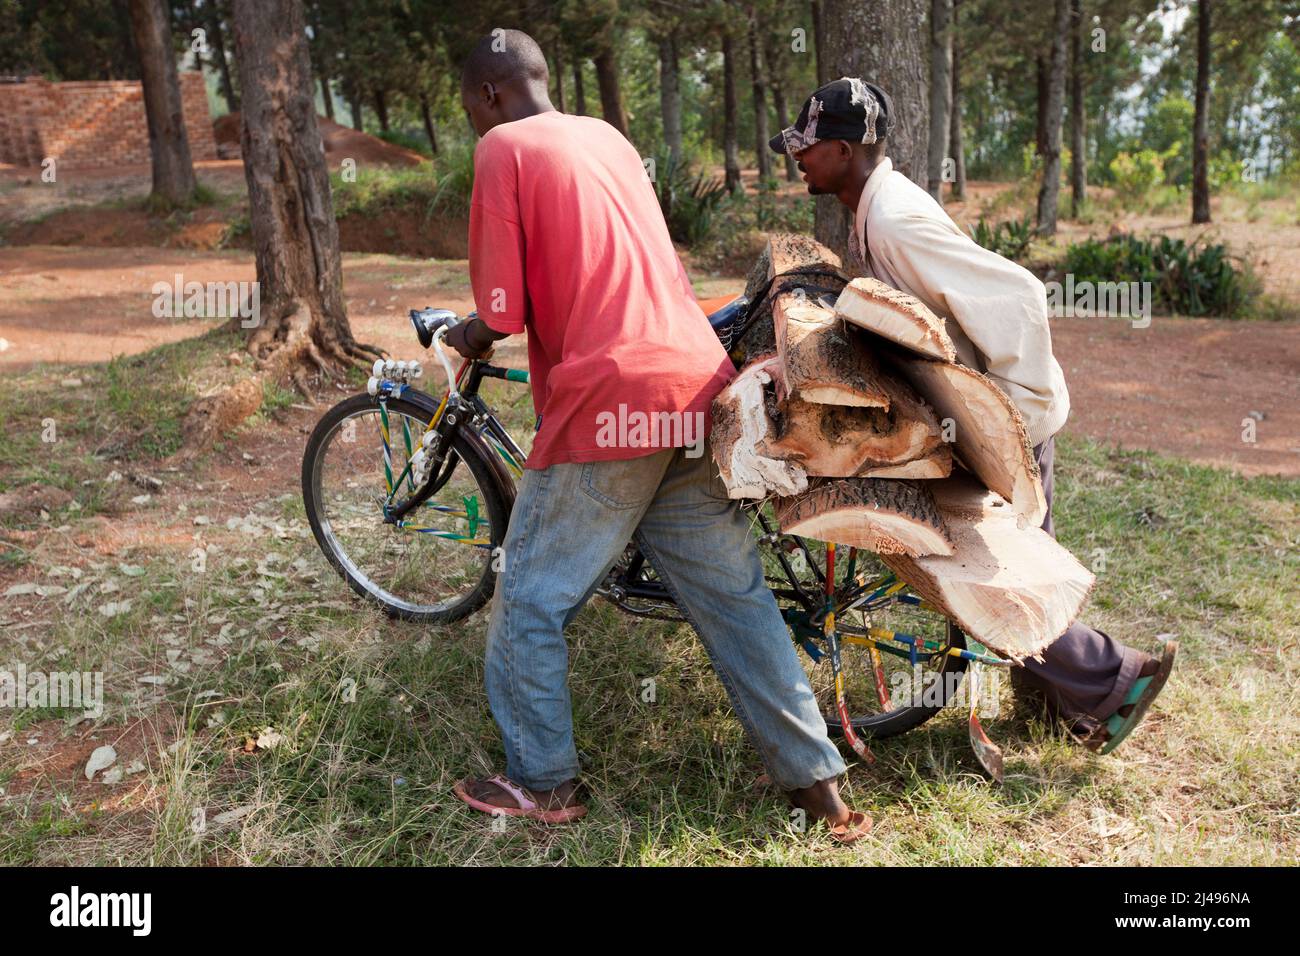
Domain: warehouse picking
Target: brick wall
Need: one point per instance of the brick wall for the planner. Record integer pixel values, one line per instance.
(92, 123)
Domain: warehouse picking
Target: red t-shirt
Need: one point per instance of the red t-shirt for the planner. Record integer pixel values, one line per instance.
(567, 240)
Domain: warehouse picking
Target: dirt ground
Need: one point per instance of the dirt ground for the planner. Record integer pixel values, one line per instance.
(1182, 386)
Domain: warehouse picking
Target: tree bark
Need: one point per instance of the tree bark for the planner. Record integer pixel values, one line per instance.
(302, 322)
(219, 50)
(896, 56)
(956, 146)
(558, 56)
(1078, 119)
(611, 93)
(1040, 103)
(579, 95)
(940, 92)
(876, 514)
(1200, 125)
(169, 145)
(730, 149)
(758, 85)
(353, 96)
(776, 71)
(326, 97)
(670, 93)
(819, 42)
(381, 109)
(427, 119)
(1049, 190)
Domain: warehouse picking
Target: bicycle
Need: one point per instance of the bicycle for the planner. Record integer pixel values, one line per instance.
(412, 509)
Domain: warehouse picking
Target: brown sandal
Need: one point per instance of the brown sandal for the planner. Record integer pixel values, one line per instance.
(525, 806)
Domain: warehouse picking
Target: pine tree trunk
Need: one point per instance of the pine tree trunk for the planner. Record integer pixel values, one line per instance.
(558, 56)
(427, 119)
(169, 146)
(326, 97)
(940, 92)
(579, 95)
(896, 57)
(758, 86)
(1078, 119)
(302, 322)
(670, 94)
(730, 149)
(1200, 126)
(956, 145)
(775, 58)
(219, 49)
(1040, 103)
(1049, 191)
(381, 109)
(353, 97)
(819, 42)
(611, 93)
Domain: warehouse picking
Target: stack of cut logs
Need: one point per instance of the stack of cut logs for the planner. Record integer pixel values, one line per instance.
(851, 412)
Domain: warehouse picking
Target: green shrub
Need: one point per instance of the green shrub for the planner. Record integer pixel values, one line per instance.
(416, 142)
(1197, 279)
(1134, 175)
(688, 200)
(1010, 238)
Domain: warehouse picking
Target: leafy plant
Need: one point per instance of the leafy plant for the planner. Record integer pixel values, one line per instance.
(1195, 279)
(1010, 238)
(1137, 174)
(688, 201)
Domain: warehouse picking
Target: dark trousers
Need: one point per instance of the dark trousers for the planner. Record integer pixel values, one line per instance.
(1085, 674)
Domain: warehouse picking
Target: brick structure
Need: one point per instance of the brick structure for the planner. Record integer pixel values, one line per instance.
(92, 123)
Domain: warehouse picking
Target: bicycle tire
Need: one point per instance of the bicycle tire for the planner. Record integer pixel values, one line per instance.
(488, 473)
(902, 719)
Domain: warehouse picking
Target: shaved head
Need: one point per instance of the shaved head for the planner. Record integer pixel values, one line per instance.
(505, 58)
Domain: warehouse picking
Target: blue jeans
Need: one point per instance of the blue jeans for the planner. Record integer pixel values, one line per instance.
(570, 524)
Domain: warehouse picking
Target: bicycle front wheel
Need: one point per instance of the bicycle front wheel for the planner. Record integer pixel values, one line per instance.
(437, 565)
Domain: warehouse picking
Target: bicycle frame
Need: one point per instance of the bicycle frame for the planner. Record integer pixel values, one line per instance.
(462, 406)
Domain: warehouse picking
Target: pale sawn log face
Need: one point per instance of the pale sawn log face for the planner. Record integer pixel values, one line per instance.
(989, 433)
(1011, 588)
(877, 514)
(894, 315)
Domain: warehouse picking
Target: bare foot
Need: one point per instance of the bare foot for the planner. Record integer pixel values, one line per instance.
(822, 801)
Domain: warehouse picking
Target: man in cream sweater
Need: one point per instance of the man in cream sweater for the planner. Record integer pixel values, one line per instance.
(996, 314)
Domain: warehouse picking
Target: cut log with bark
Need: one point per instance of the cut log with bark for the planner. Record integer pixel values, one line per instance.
(880, 515)
(1012, 588)
(904, 440)
(820, 361)
(989, 434)
(741, 429)
(903, 319)
(789, 261)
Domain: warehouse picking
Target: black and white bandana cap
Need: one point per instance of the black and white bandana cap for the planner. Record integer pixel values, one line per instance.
(848, 108)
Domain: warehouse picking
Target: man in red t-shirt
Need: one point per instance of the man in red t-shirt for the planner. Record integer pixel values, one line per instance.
(567, 242)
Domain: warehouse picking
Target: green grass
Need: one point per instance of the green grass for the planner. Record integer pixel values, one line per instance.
(262, 634)
(54, 431)
(1189, 551)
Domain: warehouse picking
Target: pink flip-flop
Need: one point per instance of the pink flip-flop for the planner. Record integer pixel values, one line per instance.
(525, 806)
